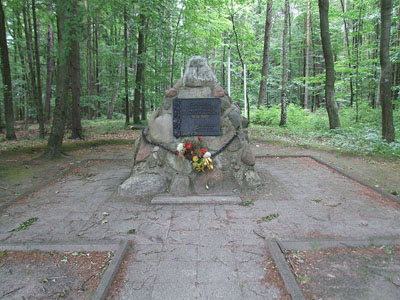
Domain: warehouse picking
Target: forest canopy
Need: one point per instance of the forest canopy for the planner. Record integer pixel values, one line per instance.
(84, 59)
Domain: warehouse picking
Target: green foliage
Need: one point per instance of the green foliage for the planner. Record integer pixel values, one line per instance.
(307, 128)
(24, 225)
(101, 126)
(268, 218)
(247, 203)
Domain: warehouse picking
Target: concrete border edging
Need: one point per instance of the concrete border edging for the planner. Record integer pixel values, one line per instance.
(341, 172)
(108, 277)
(288, 278)
(316, 244)
(276, 249)
(63, 246)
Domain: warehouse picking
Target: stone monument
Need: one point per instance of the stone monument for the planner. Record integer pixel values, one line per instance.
(195, 109)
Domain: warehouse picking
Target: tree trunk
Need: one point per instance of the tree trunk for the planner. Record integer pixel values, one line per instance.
(143, 100)
(223, 67)
(229, 71)
(347, 45)
(396, 80)
(140, 70)
(89, 62)
(247, 115)
(284, 65)
(307, 71)
(75, 75)
(126, 68)
(39, 105)
(54, 145)
(245, 90)
(331, 105)
(265, 64)
(6, 75)
(29, 50)
(96, 53)
(49, 80)
(115, 95)
(386, 72)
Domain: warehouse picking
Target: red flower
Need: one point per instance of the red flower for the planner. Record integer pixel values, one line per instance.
(203, 151)
(200, 139)
(188, 145)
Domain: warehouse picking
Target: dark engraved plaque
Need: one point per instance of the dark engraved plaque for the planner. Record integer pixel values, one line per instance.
(199, 116)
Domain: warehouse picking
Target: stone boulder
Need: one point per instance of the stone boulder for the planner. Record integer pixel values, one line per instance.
(157, 170)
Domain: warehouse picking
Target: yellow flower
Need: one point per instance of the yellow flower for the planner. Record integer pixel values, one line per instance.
(195, 158)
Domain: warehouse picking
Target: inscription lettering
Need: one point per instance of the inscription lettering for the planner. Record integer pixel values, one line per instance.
(196, 117)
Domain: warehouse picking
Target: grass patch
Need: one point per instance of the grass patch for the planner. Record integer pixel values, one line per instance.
(67, 146)
(101, 126)
(311, 130)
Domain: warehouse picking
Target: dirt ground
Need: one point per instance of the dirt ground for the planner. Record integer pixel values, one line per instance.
(348, 273)
(21, 172)
(51, 275)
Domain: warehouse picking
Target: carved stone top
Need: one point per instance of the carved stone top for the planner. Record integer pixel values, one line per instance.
(198, 73)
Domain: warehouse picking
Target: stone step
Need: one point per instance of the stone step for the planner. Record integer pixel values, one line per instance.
(200, 199)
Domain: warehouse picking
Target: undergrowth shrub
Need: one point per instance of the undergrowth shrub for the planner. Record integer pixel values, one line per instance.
(312, 128)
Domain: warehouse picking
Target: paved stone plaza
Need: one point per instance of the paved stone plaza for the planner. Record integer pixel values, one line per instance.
(201, 251)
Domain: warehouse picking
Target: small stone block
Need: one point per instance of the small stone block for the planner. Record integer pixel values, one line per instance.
(196, 200)
(171, 93)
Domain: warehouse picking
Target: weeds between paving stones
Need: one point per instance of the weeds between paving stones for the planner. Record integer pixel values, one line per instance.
(24, 225)
(268, 218)
(247, 203)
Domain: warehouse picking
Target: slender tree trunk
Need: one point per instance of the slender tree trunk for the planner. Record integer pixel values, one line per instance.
(27, 88)
(241, 61)
(89, 61)
(307, 73)
(284, 65)
(347, 45)
(49, 80)
(75, 76)
(96, 53)
(265, 64)
(331, 105)
(39, 105)
(223, 67)
(175, 42)
(126, 68)
(386, 72)
(229, 71)
(29, 50)
(54, 145)
(396, 80)
(6, 75)
(143, 100)
(140, 70)
(245, 90)
(115, 95)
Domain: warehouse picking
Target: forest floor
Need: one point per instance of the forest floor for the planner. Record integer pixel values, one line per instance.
(77, 200)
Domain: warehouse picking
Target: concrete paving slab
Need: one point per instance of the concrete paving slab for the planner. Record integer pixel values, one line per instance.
(213, 234)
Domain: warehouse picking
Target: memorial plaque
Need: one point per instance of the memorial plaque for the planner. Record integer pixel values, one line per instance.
(199, 116)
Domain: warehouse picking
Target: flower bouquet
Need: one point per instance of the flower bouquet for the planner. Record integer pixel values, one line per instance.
(193, 151)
